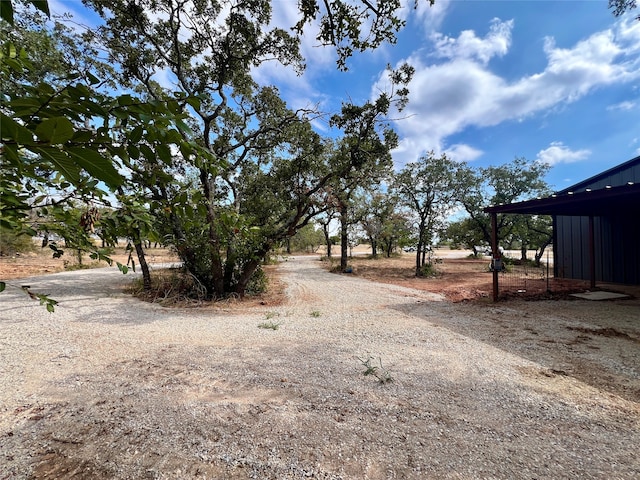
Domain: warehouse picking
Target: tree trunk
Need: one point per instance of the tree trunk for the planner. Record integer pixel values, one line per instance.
(249, 269)
(144, 266)
(539, 254)
(344, 238)
(327, 239)
(374, 247)
(229, 269)
(418, 266)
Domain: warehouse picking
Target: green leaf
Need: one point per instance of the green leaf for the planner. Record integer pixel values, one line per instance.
(96, 165)
(92, 78)
(6, 11)
(164, 152)
(136, 134)
(13, 52)
(123, 268)
(194, 102)
(183, 127)
(13, 131)
(2, 286)
(42, 5)
(133, 151)
(61, 163)
(55, 130)
(147, 152)
(50, 308)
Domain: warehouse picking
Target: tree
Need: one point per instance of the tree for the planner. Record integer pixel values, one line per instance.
(382, 222)
(327, 217)
(63, 137)
(429, 188)
(263, 169)
(307, 239)
(462, 233)
(531, 231)
(512, 182)
(395, 232)
(363, 157)
(620, 7)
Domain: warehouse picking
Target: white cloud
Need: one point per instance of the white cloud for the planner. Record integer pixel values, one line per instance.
(623, 106)
(431, 16)
(462, 91)
(557, 153)
(462, 153)
(468, 45)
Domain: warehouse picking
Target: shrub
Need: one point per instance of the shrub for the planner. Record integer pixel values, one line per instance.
(258, 283)
(12, 243)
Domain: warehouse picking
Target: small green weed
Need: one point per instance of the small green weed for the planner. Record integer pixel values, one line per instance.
(381, 373)
(269, 325)
(315, 313)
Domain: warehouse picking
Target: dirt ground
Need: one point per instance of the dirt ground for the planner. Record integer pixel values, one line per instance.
(460, 277)
(112, 388)
(41, 262)
(456, 276)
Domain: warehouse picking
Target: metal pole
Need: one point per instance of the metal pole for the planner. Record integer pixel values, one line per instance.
(548, 290)
(592, 255)
(495, 253)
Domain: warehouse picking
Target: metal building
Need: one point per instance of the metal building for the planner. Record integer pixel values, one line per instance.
(596, 226)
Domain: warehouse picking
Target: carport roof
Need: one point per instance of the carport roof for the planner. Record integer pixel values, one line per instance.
(600, 202)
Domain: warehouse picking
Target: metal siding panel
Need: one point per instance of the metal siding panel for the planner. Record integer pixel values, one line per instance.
(597, 246)
(618, 253)
(563, 266)
(604, 250)
(631, 174)
(629, 252)
(584, 248)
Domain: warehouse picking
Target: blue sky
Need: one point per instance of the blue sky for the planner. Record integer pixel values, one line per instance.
(553, 81)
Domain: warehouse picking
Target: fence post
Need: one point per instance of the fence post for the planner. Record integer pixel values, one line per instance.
(495, 253)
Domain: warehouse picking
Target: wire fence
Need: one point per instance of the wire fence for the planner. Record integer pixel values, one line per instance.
(529, 281)
(524, 279)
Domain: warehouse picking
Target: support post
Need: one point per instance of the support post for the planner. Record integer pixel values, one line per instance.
(592, 255)
(495, 253)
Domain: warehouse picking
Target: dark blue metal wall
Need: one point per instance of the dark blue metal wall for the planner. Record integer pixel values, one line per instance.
(616, 236)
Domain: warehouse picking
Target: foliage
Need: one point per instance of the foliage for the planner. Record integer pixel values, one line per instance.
(429, 188)
(63, 138)
(382, 223)
(269, 325)
(463, 234)
(307, 239)
(620, 7)
(170, 287)
(258, 283)
(512, 182)
(353, 26)
(379, 372)
(12, 242)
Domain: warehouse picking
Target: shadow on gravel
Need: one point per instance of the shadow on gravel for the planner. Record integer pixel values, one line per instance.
(559, 343)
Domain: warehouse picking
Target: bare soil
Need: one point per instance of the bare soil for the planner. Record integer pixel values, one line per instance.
(41, 262)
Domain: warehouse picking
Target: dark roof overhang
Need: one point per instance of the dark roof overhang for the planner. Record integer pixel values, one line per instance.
(601, 202)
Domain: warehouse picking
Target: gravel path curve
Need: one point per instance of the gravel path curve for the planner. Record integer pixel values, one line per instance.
(109, 387)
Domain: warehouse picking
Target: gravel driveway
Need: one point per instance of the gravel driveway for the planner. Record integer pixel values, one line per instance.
(109, 387)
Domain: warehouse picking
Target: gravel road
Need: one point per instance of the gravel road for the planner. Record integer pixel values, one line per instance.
(109, 387)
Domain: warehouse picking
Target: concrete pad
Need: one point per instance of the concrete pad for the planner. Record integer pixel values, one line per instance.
(599, 295)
